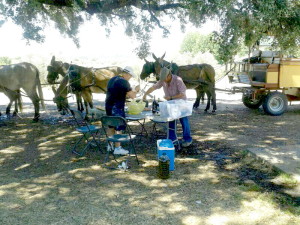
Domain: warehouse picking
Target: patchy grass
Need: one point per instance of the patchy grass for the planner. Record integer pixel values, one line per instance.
(215, 181)
(286, 180)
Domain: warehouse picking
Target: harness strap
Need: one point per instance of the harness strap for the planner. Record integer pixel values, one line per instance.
(93, 84)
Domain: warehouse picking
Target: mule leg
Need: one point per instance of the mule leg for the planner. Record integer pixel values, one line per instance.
(12, 95)
(18, 102)
(88, 104)
(8, 107)
(196, 103)
(208, 101)
(202, 93)
(16, 108)
(214, 103)
(88, 100)
(36, 102)
(79, 102)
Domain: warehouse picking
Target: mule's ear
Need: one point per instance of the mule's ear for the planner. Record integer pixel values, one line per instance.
(154, 57)
(54, 90)
(52, 60)
(146, 61)
(163, 56)
(169, 66)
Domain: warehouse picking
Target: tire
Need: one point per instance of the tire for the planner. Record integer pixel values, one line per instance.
(252, 103)
(275, 103)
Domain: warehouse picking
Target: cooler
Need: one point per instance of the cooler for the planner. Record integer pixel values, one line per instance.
(166, 145)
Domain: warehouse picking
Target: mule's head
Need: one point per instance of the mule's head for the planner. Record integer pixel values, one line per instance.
(52, 75)
(54, 69)
(61, 102)
(148, 68)
(159, 64)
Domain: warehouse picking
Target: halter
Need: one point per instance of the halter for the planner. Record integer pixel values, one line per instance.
(52, 70)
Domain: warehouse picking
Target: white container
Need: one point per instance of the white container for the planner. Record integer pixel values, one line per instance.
(176, 109)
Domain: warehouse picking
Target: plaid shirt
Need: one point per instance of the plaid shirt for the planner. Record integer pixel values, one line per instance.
(175, 87)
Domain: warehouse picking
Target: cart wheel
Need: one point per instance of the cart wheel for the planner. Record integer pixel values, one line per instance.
(252, 103)
(275, 103)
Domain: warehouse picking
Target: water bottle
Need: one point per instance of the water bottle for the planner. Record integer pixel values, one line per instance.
(157, 106)
(163, 166)
(154, 106)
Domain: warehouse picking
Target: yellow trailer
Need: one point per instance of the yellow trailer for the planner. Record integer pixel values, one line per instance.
(271, 83)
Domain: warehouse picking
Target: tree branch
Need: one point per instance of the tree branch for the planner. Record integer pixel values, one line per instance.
(106, 6)
(67, 3)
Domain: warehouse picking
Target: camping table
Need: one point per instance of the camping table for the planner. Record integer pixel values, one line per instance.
(156, 119)
(141, 119)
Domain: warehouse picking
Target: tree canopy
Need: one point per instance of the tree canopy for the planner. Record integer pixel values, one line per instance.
(196, 42)
(242, 21)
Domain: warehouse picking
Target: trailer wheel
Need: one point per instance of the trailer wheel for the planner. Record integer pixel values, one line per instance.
(251, 103)
(275, 103)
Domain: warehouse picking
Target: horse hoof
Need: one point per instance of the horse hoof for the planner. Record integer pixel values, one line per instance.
(36, 118)
(205, 110)
(214, 111)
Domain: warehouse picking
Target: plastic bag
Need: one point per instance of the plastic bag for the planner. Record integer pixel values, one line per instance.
(135, 107)
(176, 109)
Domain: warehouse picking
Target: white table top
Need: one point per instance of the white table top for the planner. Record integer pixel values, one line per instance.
(143, 115)
(148, 115)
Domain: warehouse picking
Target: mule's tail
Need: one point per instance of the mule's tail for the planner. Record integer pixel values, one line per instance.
(41, 96)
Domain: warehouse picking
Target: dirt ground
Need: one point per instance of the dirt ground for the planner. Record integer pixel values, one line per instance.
(216, 181)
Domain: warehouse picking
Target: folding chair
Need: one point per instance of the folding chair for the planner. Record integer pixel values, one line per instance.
(88, 132)
(126, 136)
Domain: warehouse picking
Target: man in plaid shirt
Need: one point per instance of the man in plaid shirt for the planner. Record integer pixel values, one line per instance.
(174, 88)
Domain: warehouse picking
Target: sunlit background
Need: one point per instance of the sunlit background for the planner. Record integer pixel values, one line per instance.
(94, 42)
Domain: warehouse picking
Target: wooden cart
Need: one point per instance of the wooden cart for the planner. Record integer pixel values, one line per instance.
(271, 83)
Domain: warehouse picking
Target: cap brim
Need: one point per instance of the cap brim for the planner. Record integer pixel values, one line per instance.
(164, 73)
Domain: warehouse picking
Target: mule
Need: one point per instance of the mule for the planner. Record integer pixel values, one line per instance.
(86, 81)
(149, 68)
(26, 76)
(200, 77)
(57, 68)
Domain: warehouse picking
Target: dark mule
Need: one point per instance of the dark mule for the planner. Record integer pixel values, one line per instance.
(26, 76)
(200, 77)
(86, 81)
(149, 68)
(57, 68)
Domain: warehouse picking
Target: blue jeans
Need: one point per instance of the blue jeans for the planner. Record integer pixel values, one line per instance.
(185, 128)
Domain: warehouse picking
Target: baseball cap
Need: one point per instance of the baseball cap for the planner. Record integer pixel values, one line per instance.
(129, 70)
(164, 72)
